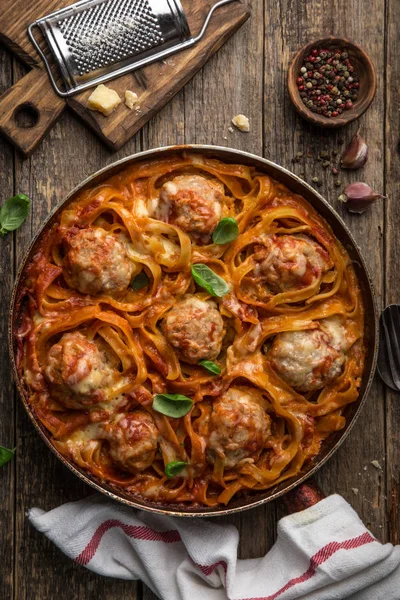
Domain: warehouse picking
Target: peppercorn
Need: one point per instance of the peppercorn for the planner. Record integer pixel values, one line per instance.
(327, 82)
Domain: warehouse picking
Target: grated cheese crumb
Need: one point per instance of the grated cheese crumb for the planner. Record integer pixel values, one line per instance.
(241, 122)
(376, 464)
(131, 99)
(230, 129)
(355, 490)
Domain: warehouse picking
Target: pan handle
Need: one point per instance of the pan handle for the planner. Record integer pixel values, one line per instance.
(305, 495)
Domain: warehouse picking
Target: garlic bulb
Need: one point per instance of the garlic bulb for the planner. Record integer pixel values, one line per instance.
(358, 197)
(356, 154)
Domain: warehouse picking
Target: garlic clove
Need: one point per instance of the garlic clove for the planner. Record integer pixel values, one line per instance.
(359, 197)
(356, 154)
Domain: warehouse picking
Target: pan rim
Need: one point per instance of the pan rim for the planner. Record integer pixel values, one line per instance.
(218, 152)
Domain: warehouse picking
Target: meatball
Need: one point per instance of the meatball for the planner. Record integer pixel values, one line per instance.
(290, 262)
(308, 360)
(97, 263)
(239, 427)
(192, 203)
(195, 329)
(133, 439)
(78, 371)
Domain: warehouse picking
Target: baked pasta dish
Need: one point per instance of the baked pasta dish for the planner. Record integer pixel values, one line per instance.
(190, 330)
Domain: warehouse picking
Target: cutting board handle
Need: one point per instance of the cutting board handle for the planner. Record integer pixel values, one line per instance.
(33, 95)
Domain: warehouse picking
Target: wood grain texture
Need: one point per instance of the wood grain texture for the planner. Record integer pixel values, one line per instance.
(16, 15)
(248, 75)
(35, 94)
(155, 84)
(7, 416)
(392, 253)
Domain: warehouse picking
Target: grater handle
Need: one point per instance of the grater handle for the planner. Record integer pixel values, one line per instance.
(45, 61)
(128, 68)
(28, 110)
(208, 17)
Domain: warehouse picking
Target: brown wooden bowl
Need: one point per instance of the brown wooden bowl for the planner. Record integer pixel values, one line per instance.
(363, 65)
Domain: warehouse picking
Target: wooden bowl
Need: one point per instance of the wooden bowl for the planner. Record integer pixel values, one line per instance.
(362, 64)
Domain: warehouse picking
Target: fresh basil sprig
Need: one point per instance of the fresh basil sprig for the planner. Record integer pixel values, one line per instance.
(210, 281)
(13, 213)
(5, 455)
(211, 366)
(174, 467)
(172, 405)
(140, 281)
(226, 231)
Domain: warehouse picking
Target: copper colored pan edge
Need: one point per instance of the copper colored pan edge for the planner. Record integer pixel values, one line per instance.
(295, 184)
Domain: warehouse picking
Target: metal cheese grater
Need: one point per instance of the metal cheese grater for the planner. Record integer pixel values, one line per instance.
(93, 41)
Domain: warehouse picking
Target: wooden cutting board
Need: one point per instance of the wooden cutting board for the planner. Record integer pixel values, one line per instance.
(155, 84)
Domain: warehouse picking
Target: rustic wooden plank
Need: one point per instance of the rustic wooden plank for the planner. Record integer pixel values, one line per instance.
(67, 156)
(392, 254)
(7, 415)
(289, 25)
(34, 95)
(155, 84)
(16, 15)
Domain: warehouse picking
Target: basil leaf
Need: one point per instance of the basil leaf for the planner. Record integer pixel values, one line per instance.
(210, 366)
(210, 281)
(5, 455)
(140, 281)
(174, 467)
(172, 405)
(226, 231)
(13, 213)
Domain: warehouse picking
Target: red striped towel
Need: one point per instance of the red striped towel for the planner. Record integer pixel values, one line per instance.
(321, 553)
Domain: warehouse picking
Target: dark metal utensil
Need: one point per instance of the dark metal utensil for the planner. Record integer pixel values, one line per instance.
(389, 346)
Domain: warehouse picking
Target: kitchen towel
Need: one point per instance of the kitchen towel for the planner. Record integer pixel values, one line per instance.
(322, 553)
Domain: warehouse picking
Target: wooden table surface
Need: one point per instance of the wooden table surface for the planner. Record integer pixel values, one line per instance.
(248, 76)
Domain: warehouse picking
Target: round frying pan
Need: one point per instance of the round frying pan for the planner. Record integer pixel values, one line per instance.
(330, 445)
